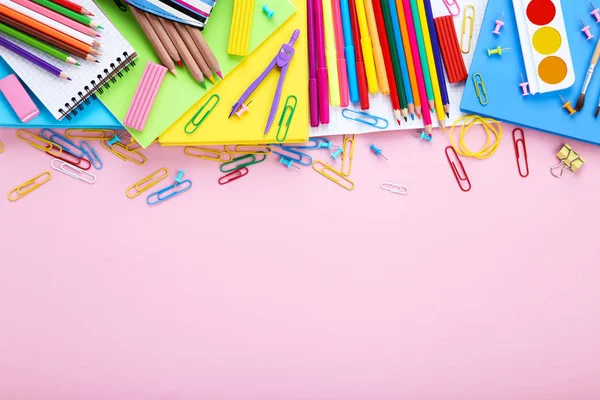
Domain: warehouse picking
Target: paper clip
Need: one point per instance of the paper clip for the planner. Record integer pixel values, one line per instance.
(394, 188)
(69, 158)
(286, 108)
(219, 155)
(313, 143)
(29, 186)
(243, 149)
(342, 181)
(99, 134)
(1, 147)
(124, 154)
(72, 171)
(471, 20)
(347, 154)
(370, 120)
(453, 3)
(146, 183)
(238, 164)
(294, 155)
(233, 176)
(193, 124)
(461, 176)
(135, 145)
(569, 159)
(521, 155)
(46, 145)
(63, 142)
(91, 154)
(480, 89)
(161, 196)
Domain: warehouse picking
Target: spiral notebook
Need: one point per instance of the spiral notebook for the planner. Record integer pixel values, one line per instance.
(68, 98)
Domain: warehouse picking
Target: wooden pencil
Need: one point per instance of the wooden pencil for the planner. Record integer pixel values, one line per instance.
(164, 38)
(195, 51)
(82, 19)
(414, 12)
(409, 58)
(205, 49)
(159, 48)
(393, 51)
(187, 57)
(73, 7)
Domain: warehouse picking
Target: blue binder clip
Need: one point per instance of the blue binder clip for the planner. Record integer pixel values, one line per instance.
(365, 118)
(168, 192)
(91, 154)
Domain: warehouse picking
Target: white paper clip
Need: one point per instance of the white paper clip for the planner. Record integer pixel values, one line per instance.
(394, 188)
(73, 171)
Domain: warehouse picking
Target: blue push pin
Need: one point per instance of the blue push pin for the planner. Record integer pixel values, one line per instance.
(178, 178)
(114, 140)
(377, 151)
(335, 155)
(424, 136)
(289, 163)
(269, 13)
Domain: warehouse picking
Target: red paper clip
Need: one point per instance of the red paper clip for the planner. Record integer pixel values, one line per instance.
(232, 176)
(524, 172)
(71, 159)
(460, 178)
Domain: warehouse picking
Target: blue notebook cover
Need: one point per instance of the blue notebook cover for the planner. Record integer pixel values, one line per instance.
(94, 115)
(502, 76)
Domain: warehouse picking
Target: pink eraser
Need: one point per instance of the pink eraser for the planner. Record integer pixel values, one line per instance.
(18, 98)
(144, 96)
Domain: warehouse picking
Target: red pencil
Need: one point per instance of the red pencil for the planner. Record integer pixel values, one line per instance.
(387, 58)
(72, 6)
(363, 90)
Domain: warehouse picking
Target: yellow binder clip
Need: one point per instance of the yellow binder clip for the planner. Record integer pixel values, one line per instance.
(121, 151)
(208, 154)
(337, 177)
(243, 149)
(569, 159)
(29, 186)
(89, 134)
(151, 180)
(347, 154)
(39, 142)
(199, 118)
(470, 19)
(480, 89)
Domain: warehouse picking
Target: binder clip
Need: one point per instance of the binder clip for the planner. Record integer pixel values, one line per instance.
(569, 159)
(244, 108)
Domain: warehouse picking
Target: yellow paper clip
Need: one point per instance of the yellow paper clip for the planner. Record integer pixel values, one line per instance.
(29, 186)
(471, 20)
(151, 180)
(1, 147)
(193, 123)
(209, 154)
(569, 159)
(125, 155)
(480, 89)
(348, 153)
(342, 181)
(135, 146)
(288, 107)
(89, 134)
(42, 144)
(243, 149)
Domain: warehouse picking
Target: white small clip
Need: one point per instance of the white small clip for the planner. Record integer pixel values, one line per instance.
(394, 188)
(73, 171)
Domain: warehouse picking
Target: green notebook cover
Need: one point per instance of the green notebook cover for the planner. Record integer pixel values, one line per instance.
(178, 94)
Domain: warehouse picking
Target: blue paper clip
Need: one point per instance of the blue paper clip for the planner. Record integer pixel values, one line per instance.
(63, 142)
(91, 154)
(313, 143)
(164, 194)
(294, 155)
(371, 120)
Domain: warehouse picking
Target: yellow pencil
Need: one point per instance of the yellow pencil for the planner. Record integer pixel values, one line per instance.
(331, 55)
(384, 85)
(437, 94)
(367, 47)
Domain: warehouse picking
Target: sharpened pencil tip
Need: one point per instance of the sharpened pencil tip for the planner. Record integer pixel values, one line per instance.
(98, 61)
(220, 74)
(98, 35)
(405, 119)
(99, 27)
(203, 84)
(447, 115)
(211, 79)
(412, 116)
(173, 71)
(69, 78)
(76, 63)
(180, 63)
(399, 123)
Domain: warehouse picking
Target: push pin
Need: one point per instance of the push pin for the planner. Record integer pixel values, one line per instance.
(114, 140)
(269, 13)
(289, 163)
(335, 155)
(243, 109)
(498, 51)
(586, 31)
(377, 151)
(595, 12)
(499, 25)
(178, 178)
(524, 86)
(567, 106)
(569, 159)
(423, 136)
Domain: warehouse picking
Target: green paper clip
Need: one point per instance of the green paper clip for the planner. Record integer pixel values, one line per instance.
(195, 125)
(288, 122)
(239, 163)
(480, 89)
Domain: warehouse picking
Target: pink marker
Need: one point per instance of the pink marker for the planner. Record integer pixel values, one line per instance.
(586, 31)
(341, 62)
(595, 12)
(499, 25)
(322, 76)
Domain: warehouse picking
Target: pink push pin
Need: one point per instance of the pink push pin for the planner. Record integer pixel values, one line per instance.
(524, 86)
(243, 109)
(595, 12)
(586, 31)
(499, 25)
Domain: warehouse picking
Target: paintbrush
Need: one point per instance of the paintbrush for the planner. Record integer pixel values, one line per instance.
(588, 78)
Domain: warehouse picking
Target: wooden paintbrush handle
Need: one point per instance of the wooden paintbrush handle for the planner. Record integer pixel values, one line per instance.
(596, 55)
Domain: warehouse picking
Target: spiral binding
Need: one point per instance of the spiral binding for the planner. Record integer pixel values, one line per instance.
(104, 81)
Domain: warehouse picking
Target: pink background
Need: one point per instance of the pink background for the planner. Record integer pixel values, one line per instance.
(282, 285)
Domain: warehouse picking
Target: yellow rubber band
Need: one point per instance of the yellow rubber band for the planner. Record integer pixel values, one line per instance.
(488, 124)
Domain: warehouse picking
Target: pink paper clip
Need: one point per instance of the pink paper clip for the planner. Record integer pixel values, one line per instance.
(144, 97)
(461, 176)
(450, 4)
(18, 98)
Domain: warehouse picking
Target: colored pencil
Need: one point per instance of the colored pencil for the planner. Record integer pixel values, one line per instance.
(402, 57)
(205, 49)
(414, 47)
(322, 75)
(437, 53)
(195, 51)
(363, 89)
(164, 38)
(418, 29)
(367, 46)
(33, 59)
(382, 78)
(82, 19)
(313, 95)
(397, 57)
(47, 39)
(57, 17)
(341, 57)
(409, 59)
(183, 50)
(331, 55)
(12, 14)
(439, 106)
(349, 51)
(33, 42)
(73, 7)
(387, 58)
(157, 45)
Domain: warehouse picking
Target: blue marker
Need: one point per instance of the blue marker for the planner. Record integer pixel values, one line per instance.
(349, 50)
